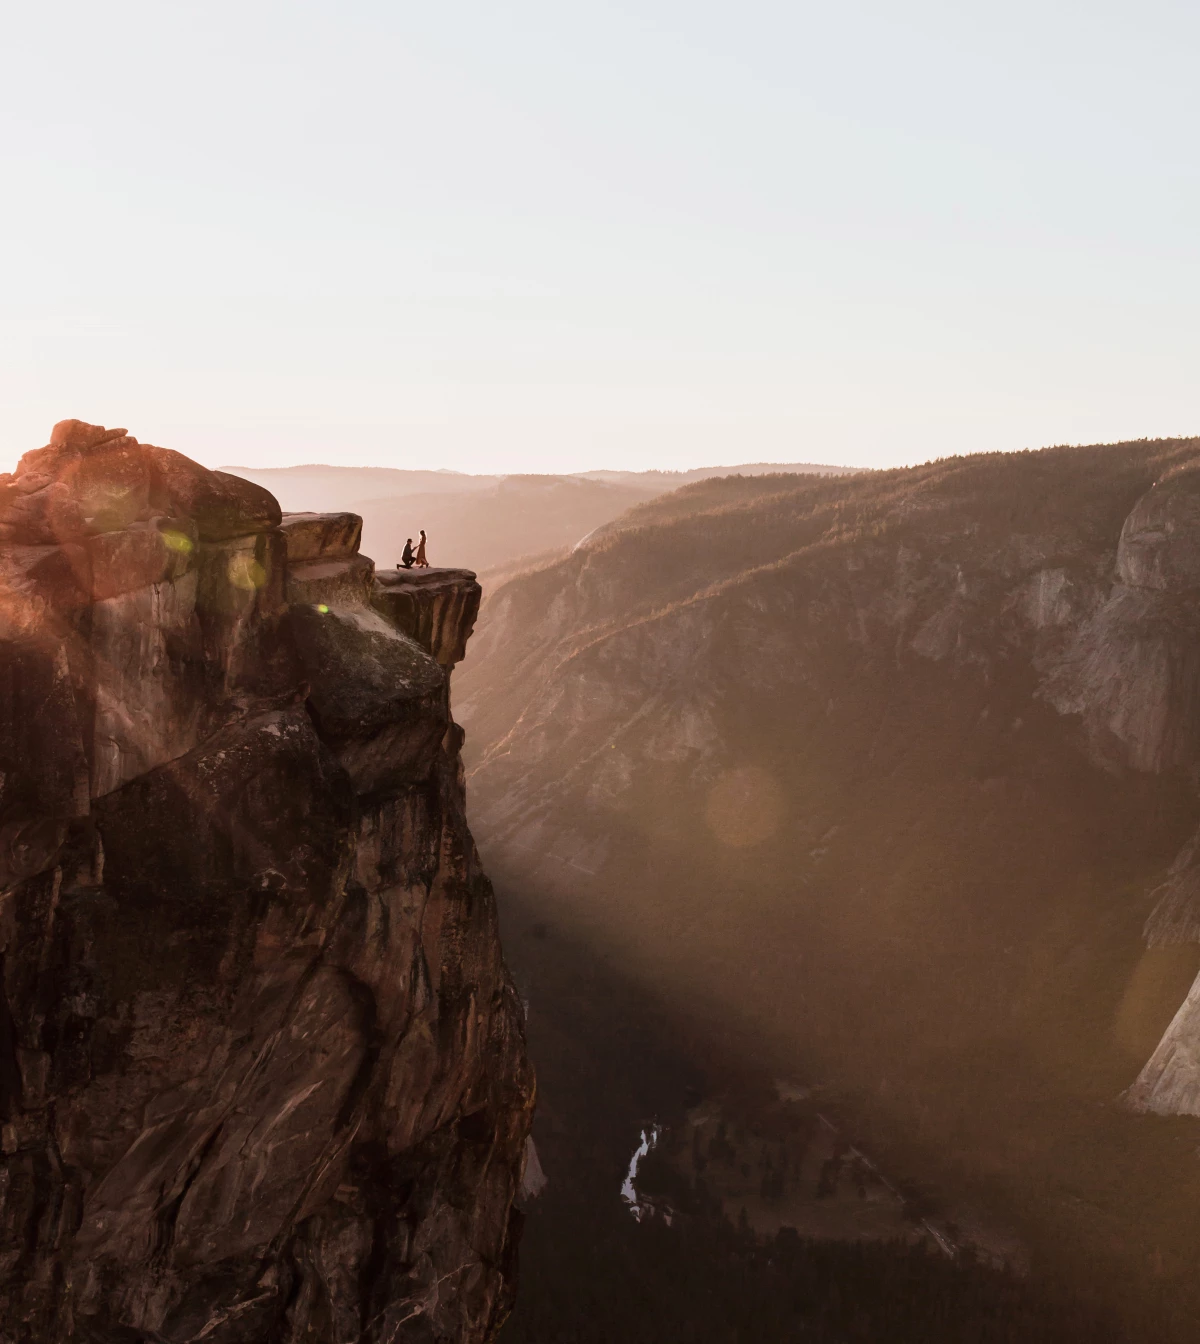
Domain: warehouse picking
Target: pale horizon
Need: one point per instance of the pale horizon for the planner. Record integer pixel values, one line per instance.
(618, 463)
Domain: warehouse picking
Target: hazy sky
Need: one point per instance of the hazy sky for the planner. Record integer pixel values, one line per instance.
(550, 236)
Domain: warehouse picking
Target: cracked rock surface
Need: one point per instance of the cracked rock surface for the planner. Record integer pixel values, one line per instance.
(262, 1068)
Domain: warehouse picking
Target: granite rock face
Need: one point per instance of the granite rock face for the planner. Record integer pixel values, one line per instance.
(321, 536)
(262, 1069)
(1160, 541)
(436, 607)
(1131, 667)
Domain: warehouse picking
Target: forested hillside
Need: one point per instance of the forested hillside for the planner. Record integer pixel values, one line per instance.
(880, 778)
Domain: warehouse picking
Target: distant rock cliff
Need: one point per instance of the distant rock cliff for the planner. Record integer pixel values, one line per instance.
(262, 1069)
(898, 773)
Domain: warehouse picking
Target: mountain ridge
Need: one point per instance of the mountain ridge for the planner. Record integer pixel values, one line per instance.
(483, 522)
(888, 770)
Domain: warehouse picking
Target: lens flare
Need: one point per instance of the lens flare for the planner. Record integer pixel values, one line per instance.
(177, 541)
(245, 572)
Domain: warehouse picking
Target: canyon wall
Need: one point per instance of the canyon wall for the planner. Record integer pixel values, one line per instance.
(891, 784)
(708, 627)
(262, 1069)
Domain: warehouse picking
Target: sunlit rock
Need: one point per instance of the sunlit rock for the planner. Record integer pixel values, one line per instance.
(262, 1069)
(436, 607)
(1132, 671)
(336, 582)
(147, 681)
(240, 598)
(44, 590)
(1170, 1082)
(157, 551)
(377, 696)
(1160, 542)
(321, 536)
(222, 505)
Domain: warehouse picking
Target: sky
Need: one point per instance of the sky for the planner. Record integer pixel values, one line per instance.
(548, 236)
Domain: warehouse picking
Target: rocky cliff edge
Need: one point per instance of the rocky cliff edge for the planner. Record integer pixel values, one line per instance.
(262, 1070)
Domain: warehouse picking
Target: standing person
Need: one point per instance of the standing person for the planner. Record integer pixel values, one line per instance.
(422, 563)
(407, 558)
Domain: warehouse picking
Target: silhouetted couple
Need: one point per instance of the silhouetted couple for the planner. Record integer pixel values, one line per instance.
(408, 559)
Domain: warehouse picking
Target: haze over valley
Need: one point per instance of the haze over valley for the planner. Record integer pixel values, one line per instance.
(600, 673)
(483, 522)
(886, 781)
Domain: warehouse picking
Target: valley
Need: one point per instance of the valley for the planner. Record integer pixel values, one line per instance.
(876, 782)
(614, 1061)
(491, 524)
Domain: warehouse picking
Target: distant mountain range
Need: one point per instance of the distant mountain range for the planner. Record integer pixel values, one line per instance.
(480, 522)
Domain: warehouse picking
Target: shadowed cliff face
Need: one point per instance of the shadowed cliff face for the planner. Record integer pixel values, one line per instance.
(894, 775)
(262, 1069)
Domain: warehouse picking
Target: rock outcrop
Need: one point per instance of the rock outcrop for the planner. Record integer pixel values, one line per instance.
(262, 1069)
(437, 607)
(1132, 669)
(1136, 673)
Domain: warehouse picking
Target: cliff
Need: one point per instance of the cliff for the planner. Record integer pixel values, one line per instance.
(262, 1069)
(893, 776)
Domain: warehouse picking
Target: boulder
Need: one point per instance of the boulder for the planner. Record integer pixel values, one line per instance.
(158, 551)
(38, 510)
(321, 536)
(336, 583)
(43, 589)
(377, 698)
(221, 505)
(79, 436)
(112, 481)
(107, 473)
